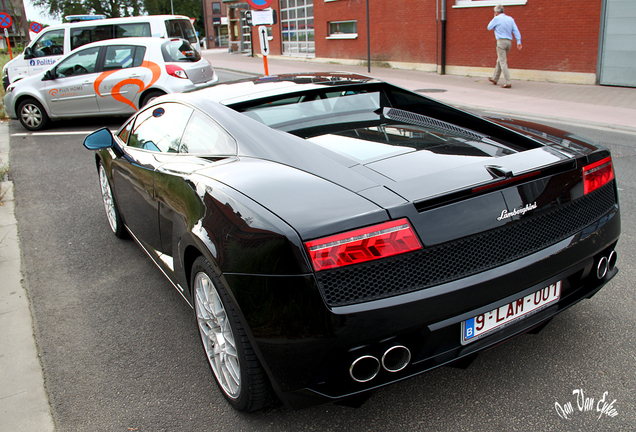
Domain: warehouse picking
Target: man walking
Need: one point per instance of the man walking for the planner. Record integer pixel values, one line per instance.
(504, 27)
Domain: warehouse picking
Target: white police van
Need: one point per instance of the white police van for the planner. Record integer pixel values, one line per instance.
(55, 41)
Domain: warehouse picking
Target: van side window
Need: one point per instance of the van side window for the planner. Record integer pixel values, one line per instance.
(83, 35)
(132, 30)
(123, 56)
(49, 44)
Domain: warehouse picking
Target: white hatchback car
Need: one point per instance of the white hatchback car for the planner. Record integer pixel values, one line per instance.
(110, 77)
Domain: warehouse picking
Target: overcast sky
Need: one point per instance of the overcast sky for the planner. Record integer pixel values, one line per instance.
(35, 14)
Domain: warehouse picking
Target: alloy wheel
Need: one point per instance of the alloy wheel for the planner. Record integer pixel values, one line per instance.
(217, 335)
(31, 115)
(107, 198)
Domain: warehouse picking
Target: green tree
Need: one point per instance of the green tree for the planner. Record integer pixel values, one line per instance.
(110, 8)
(123, 8)
(189, 8)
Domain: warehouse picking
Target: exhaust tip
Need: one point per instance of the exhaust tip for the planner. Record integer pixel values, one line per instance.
(364, 368)
(601, 268)
(611, 261)
(396, 358)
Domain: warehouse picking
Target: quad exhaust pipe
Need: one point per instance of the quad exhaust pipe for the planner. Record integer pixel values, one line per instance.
(367, 367)
(606, 264)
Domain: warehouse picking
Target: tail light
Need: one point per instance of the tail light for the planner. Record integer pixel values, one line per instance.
(176, 71)
(597, 174)
(361, 245)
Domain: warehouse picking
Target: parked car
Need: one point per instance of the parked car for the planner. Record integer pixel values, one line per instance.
(335, 234)
(55, 41)
(111, 77)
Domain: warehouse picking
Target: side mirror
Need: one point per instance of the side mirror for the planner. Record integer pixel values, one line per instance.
(99, 140)
(28, 53)
(49, 75)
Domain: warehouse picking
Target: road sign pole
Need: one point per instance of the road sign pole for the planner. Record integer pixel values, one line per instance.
(5, 23)
(262, 37)
(6, 35)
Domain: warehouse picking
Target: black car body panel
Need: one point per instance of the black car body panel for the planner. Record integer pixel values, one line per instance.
(499, 207)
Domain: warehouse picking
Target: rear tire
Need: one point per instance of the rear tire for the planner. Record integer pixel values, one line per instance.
(236, 369)
(32, 115)
(150, 97)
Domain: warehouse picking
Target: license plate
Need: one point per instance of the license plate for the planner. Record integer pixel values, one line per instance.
(481, 325)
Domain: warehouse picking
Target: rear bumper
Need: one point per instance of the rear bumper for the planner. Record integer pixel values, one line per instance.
(307, 348)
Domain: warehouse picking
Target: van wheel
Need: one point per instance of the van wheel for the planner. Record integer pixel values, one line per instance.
(31, 114)
(150, 97)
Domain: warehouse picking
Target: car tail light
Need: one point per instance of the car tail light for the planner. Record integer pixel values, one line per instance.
(365, 244)
(176, 71)
(597, 174)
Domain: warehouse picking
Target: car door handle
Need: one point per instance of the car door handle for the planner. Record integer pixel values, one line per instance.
(87, 82)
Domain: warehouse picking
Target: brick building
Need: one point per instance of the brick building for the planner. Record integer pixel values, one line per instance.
(563, 41)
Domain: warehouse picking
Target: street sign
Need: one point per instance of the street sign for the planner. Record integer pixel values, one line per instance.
(260, 4)
(261, 17)
(36, 27)
(5, 20)
(262, 38)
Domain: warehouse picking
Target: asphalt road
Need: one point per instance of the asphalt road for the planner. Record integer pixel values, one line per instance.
(120, 347)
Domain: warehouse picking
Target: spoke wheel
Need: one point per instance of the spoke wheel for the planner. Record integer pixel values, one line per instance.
(217, 336)
(32, 115)
(110, 206)
(236, 369)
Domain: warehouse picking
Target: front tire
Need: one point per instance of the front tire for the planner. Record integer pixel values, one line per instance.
(110, 205)
(32, 115)
(230, 355)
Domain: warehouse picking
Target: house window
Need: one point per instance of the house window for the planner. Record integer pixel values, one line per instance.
(484, 3)
(297, 27)
(216, 8)
(343, 30)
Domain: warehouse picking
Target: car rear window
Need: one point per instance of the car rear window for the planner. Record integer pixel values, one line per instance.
(181, 28)
(179, 50)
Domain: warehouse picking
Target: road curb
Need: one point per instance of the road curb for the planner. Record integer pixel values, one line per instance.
(24, 406)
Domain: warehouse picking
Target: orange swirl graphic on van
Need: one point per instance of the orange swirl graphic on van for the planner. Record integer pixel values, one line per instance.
(53, 92)
(115, 92)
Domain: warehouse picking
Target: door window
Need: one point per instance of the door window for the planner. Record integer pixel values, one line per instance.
(123, 56)
(205, 136)
(80, 63)
(49, 44)
(125, 132)
(160, 128)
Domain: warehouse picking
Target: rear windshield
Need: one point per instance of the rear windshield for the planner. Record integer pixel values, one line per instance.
(179, 50)
(181, 28)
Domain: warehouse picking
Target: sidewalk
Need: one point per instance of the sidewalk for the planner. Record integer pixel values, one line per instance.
(23, 402)
(593, 106)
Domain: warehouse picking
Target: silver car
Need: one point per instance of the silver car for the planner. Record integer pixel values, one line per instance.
(110, 77)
